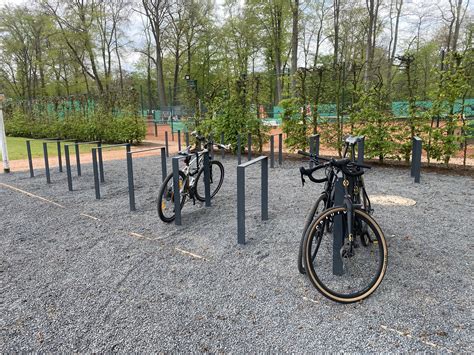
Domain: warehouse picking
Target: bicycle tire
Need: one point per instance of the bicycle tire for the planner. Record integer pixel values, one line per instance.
(201, 197)
(309, 219)
(161, 194)
(315, 274)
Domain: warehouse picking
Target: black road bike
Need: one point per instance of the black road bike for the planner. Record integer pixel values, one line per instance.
(344, 249)
(326, 199)
(191, 180)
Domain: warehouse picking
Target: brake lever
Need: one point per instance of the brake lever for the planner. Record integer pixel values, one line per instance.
(302, 180)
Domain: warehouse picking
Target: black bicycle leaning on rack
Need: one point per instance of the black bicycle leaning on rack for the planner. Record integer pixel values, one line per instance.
(344, 249)
(326, 199)
(191, 179)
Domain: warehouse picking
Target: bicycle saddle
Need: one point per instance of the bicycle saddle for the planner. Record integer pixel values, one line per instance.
(186, 151)
(353, 139)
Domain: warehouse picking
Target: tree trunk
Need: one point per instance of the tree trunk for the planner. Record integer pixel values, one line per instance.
(294, 44)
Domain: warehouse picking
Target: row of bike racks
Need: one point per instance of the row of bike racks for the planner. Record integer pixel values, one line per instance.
(99, 175)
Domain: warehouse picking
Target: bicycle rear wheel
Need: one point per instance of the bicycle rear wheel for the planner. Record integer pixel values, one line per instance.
(340, 272)
(216, 179)
(165, 203)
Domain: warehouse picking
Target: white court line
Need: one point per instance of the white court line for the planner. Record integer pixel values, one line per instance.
(43, 199)
(31, 195)
(191, 254)
(407, 335)
(89, 216)
(309, 299)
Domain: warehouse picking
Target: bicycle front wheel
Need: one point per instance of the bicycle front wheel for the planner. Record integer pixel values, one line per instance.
(341, 270)
(317, 208)
(216, 178)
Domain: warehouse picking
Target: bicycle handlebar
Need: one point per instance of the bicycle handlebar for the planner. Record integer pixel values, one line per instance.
(345, 165)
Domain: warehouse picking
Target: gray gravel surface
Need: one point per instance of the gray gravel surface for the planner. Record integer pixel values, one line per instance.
(90, 276)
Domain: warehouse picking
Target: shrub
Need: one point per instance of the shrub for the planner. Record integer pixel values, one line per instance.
(125, 126)
(294, 124)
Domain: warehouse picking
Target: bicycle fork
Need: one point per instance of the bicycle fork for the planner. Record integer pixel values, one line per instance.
(350, 222)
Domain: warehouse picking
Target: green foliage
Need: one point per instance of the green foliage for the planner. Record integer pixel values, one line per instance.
(443, 142)
(231, 117)
(375, 123)
(294, 124)
(101, 125)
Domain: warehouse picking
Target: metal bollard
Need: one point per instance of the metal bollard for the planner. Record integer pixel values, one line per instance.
(186, 137)
(360, 150)
(264, 184)
(179, 140)
(416, 159)
(210, 147)
(163, 163)
(30, 160)
(166, 144)
(60, 162)
(280, 149)
(338, 240)
(176, 193)
(46, 162)
(131, 187)
(241, 194)
(78, 158)
(156, 130)
(240, 205)
(313, 147)
(207, 180)
(96, 173)
(272, 151)
(101, 162)
(68, 167)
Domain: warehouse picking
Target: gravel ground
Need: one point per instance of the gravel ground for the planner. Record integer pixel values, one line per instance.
(89, 276)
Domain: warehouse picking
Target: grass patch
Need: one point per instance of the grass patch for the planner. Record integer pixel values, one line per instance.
(17, 148)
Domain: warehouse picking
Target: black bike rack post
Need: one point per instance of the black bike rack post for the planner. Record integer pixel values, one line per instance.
(78, 158)
(272, 151)
(241, 195)
(96, 173)
(210, 146)
(249, 145)
(280, 148)
(313, 147)
(60, 162)
(176, 193)
(156, 129)
(207, 179)
(30, 159)
(166, 144)
(46, 162)
(186, 136)
(338, 232)
(179, 140)
(98, 170)
(360, 150)
(68, 167)
(101, 162)
(131, 184)
(416, 158)
(239, 149)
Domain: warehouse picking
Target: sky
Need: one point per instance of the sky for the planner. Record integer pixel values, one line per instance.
(429, 9)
